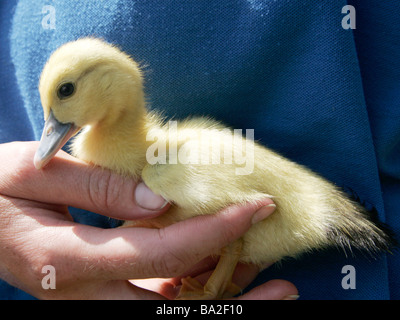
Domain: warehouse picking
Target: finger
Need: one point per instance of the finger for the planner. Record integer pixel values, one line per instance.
(243, 276)
(106, 290)
(67, 180)
(179, 246)
(137, 253)
(54, 245)
(170, 287)
(163, 286)
(272, 290)
(124, 290)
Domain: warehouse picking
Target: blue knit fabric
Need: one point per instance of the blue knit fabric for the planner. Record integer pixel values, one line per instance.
(321, 95)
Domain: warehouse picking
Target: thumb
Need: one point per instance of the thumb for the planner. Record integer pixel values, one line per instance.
(67, 180)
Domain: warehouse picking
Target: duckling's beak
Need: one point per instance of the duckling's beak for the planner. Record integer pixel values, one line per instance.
(55, 135)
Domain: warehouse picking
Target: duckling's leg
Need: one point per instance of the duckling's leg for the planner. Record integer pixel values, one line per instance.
(219, 285)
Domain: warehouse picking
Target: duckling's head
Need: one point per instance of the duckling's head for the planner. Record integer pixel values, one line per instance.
(85, 82)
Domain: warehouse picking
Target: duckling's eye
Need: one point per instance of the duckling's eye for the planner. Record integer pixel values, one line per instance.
(65, 90)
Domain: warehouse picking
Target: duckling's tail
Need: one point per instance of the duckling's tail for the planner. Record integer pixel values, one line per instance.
(356, 228)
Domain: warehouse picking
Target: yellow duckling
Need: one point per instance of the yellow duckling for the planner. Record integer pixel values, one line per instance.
(91, 85)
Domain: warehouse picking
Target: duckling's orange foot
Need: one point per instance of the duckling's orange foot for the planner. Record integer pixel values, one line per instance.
(192, 289)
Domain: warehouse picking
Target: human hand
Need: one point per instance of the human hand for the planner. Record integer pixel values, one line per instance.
(244, 274)
(91, 263)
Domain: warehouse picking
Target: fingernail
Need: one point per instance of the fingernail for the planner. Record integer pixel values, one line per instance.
(262, 213)
(146, 199)
(291, 297)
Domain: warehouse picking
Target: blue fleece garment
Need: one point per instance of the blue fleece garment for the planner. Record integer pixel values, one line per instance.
(321, 95)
